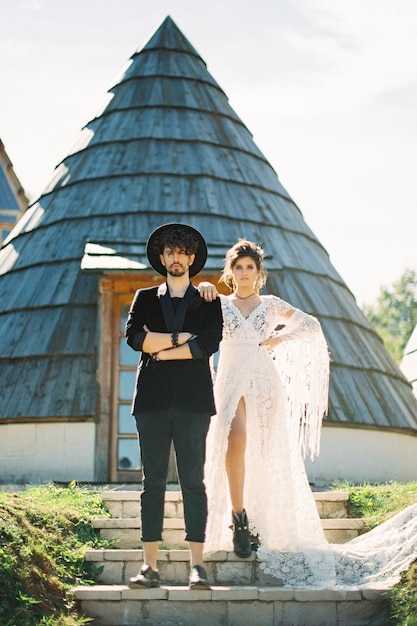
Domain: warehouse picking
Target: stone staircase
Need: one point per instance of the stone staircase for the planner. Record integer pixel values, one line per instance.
(241, 593)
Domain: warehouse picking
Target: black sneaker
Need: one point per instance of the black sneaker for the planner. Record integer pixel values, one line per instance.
(146, 579)
(198, 578)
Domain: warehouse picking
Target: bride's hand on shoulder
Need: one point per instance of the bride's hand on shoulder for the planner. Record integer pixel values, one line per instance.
(207, 291)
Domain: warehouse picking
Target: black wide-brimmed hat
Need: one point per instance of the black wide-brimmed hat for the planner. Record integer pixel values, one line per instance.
(153, 254)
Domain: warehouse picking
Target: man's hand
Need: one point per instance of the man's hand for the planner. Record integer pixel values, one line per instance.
(157, 342)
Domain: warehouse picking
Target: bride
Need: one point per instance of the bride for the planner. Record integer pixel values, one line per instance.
(271, 392)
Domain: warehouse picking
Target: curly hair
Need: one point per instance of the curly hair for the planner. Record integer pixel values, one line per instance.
(176, 237)
(244, 248)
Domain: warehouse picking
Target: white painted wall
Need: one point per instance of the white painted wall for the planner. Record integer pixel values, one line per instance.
(360, 456)
(39, 453)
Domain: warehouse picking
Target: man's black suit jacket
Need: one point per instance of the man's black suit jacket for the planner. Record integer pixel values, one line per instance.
(186, 383)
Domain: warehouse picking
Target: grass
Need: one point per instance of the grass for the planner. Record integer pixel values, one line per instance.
(377, 503)
(44, 532)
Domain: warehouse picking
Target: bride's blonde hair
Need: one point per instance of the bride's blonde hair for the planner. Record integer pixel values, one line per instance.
(243, 248)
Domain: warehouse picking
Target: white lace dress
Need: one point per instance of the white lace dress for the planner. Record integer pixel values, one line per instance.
(285, 394)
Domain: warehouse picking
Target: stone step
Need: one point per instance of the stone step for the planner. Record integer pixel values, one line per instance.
(125, 533)
(241, 594)
(223, 568)
(249, 605)
(116, 567)
(124, 504)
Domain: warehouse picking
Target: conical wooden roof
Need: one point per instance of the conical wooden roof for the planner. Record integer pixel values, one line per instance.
(167, 147)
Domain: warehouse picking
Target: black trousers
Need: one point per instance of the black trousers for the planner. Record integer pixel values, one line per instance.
(188, 431)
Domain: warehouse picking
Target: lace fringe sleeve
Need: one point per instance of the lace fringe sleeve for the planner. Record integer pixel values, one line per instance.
(303, 363)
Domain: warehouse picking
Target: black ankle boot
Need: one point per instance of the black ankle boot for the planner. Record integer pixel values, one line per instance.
(241, 539)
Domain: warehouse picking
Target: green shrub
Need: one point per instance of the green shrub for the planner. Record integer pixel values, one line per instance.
(404, 598)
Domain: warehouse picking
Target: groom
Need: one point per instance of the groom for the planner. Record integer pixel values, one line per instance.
(176, 332)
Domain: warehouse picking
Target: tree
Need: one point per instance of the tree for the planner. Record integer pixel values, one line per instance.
(394, 315)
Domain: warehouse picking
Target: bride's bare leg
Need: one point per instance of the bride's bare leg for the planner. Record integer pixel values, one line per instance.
(235, 468)
(235, 457)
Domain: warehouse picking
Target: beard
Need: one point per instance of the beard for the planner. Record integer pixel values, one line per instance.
(178, 271)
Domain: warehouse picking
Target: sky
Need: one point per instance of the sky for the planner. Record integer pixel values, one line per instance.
(328, 88)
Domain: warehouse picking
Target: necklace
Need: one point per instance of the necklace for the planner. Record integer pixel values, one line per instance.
(245, 297)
